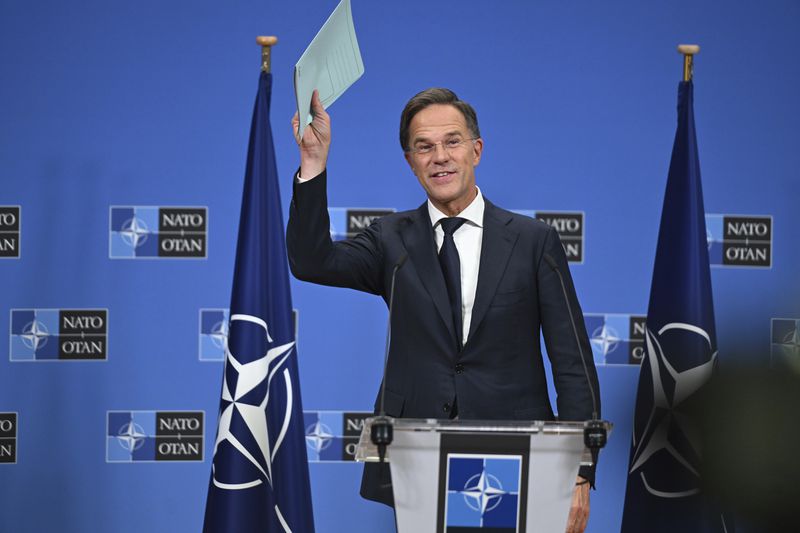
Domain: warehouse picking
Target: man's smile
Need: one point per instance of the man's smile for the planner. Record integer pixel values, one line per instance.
(442, 175)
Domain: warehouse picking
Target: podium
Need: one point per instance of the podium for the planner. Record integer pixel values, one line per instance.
(450, 476)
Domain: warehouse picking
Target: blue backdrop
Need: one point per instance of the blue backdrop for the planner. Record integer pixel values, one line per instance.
(148, 104)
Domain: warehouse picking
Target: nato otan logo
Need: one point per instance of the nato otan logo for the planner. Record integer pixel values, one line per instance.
(569, 226)
(148, 232)
(483, 492)
(332, 436)
(616, 339)
(347, 222)
(214, 325)
(59, 335)
(8, 438)
(147, 436)
(9, 231)
(739, 240)
(785, 349)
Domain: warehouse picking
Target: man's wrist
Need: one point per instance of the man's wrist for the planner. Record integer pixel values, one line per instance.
(311, 168)
(302, 177)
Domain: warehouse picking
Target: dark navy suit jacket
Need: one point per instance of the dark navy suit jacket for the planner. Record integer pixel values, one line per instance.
(499, 372)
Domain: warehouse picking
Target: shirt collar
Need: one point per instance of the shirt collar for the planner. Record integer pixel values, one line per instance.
(473, 213)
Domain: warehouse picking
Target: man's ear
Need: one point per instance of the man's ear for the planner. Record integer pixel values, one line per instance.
(477, 150)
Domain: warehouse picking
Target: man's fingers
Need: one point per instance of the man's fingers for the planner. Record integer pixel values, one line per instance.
(317, 109)
(316, 104)
(576, 522)
(579, 510)
(572, 519)
(318, 126)
(296, 127)
(583, 515)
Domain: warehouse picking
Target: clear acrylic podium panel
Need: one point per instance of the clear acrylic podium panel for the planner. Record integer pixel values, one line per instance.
(368, 452)
(426, 452)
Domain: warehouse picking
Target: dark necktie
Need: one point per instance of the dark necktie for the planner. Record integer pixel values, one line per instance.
(451, 268)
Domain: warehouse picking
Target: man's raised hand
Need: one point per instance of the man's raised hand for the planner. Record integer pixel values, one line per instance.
(316, 140)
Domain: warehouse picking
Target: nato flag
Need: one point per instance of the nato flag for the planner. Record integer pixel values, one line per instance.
(259, 477)
(663, 491)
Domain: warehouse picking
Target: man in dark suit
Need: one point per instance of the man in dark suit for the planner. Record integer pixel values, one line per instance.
(470, 300)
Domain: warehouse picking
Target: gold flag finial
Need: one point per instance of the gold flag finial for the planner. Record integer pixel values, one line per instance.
(266, 42)
(688, 51)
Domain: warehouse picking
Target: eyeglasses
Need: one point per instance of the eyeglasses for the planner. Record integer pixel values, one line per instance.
(450, 145)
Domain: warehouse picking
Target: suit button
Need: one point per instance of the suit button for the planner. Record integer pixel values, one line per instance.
(446, 408)
(459, 368)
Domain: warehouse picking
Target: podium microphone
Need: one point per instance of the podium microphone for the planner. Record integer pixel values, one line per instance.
(381, 432)
(594, 432)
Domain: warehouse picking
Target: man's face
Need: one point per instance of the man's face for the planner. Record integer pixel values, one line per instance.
(447, 173)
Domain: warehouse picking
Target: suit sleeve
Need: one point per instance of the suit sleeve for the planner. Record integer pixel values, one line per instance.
(355, 263)
(574, 398)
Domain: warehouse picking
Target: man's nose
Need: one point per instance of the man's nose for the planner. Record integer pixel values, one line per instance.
(440, 153)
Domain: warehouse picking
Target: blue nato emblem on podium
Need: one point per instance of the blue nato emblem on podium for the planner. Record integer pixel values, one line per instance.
(483, 492)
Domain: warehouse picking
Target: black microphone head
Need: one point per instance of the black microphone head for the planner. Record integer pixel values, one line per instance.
(382, 431)
(550, 261)
(595, 435)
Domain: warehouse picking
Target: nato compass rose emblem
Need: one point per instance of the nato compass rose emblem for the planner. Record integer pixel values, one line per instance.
(605, 339)
(34, 335)
(131, 436)
(666, 449)
(246, 443)
(482, 492)
(219, 334)
(134, 232)
(318, 436)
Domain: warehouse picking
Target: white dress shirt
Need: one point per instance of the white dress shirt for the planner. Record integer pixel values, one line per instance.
(468, 239)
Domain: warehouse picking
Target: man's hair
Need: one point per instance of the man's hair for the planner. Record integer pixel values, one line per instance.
(432, 96)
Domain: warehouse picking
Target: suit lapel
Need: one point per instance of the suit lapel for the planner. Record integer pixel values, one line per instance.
(418, 239)
(498, 241)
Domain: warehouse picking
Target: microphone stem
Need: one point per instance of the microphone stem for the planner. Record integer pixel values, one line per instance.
(388, 339)
(577, 340)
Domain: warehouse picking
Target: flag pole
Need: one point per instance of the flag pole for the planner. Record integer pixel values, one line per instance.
(266, 42)
(688, 51)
